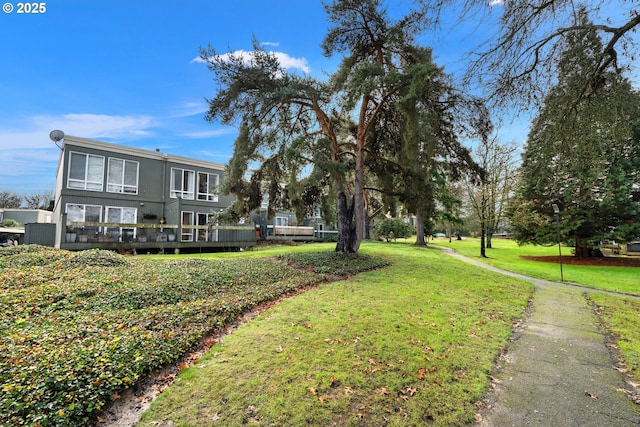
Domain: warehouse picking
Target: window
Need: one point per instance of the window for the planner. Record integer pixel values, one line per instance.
(84, 213)
(86, 172)
(208, 186)
(121, 215)
(205, 219)
(282, 221)
(187, 233)
(122, 176)
(182, 183)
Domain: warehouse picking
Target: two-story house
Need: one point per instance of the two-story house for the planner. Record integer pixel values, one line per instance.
(114, 197)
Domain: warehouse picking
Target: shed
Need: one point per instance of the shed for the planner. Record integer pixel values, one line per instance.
(633, 248)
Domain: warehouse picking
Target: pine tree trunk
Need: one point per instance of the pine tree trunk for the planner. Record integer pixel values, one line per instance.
(420, 231)
(346, 227)
(587, 252)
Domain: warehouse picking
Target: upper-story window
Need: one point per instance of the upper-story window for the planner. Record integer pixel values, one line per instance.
(122, 176)
(208, 186)
(182, 183)
(86, 171)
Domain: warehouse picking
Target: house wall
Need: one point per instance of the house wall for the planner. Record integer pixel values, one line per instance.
(153, 200)
(29, 216)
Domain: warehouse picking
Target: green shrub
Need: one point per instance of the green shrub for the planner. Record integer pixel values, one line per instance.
(392, 228)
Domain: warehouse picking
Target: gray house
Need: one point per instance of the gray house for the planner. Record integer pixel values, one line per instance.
(116, 197)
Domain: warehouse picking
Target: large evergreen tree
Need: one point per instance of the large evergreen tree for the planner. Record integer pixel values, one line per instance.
(583, 154)
(293, 123)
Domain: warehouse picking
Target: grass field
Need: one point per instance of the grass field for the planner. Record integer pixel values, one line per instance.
(620, 316)
(411, 344)
(506, 254)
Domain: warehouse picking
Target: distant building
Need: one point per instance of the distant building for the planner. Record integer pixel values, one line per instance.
(116, 197)
(28, 219)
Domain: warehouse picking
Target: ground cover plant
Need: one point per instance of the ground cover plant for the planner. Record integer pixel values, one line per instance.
(77, 328)
(506, 254)
(411, 344)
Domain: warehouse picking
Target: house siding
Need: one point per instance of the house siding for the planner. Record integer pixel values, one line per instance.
(150, 207)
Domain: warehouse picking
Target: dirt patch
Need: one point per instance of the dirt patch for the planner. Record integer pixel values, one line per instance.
(607, 261)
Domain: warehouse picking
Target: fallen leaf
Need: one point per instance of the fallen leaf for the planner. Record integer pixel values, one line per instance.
(591, 395)
(312, 390)
(383, 391)
(333, 381)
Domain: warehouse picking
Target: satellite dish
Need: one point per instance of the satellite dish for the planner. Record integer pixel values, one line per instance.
(57, 136)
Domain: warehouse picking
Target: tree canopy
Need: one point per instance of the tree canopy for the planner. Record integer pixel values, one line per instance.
(385, 116)
(582, 154)
(514, 63)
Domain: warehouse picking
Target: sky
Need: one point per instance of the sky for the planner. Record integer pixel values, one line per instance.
(128, 72)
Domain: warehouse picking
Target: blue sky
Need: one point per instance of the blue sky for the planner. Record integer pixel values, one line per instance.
(127, 72)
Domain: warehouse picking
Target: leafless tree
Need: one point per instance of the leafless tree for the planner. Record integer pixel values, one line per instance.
(10, 200)
(38, 199)
(514, 65)
(490, 198)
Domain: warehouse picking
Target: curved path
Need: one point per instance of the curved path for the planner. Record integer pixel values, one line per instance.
(559, 372)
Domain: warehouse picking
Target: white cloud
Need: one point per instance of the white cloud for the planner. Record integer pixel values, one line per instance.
(288, 62)
(285, 60)
(270, 44)
(495, 2)
(29, 157)
(190, 108)
(97, 125)
(213, 133)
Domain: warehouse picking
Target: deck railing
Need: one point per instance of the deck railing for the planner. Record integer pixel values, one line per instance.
(109, 232)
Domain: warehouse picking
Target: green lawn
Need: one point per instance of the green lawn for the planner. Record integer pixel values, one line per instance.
(410, 344)
(506, 254)
(619, 315)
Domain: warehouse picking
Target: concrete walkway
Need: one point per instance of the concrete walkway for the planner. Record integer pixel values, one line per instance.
(559, 372)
